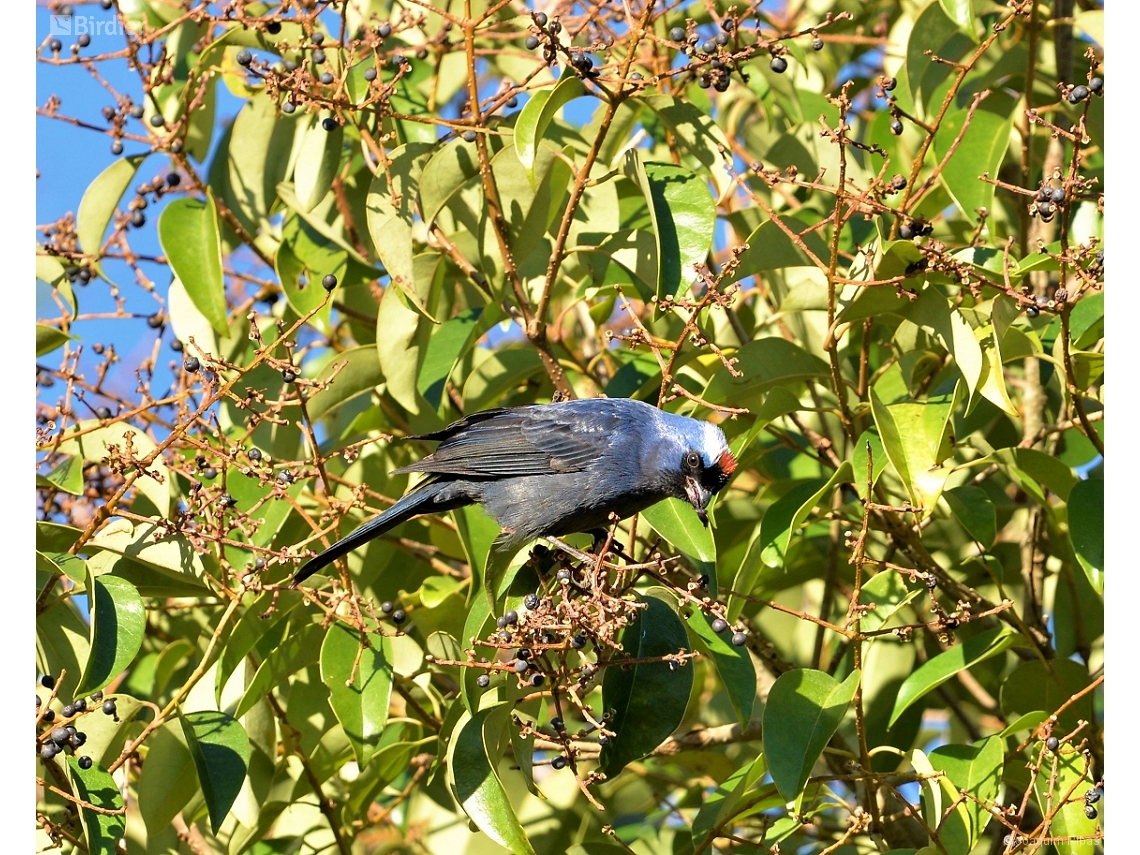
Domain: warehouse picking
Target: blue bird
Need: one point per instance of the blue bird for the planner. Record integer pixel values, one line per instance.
(555, 469)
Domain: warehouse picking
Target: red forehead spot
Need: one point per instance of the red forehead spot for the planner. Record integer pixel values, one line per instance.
(727, 463)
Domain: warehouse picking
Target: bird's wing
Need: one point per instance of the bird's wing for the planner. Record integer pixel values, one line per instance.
(539, 440)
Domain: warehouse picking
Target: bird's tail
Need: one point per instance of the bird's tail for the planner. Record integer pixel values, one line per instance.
(421, 500)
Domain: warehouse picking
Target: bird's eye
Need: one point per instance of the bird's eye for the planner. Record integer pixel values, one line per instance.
(692, 461)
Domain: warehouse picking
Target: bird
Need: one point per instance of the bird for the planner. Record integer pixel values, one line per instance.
(547, 470)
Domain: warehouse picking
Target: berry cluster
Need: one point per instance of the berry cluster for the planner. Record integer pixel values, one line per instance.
(61, 734)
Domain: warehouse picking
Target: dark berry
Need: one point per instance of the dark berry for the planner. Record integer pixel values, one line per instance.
(108, 113)
(1057, 197)
(68, 711)
(889, 84)
(817, 44)
(898, 182)
(531, 42)
(157, 120)
(512, 101)
(288, 376)
(562, 575)
(719, 625)
(109, 707)
(273, 27)
(327, 78)
(541, 19)
(47, 681)
(521, 666)
(117, 147)
(49, 715)
(318, 56)
(55, 45)
(384, 30)
(709, 46)
(103, 413)
(176, 147)
(537, 680)
(778, 64)
(1090, 812)
(906, 232)
(558, 724)
(77, 740)
(578, 642)
(244, 57)
(84, 40)
(1032, 311)
(1045, 209)
(330, 124)
(285, 477)
(387, 607)
(138, 219)
(1079, 93)
(677, 34)
(721, 39)
(1096, 85)
(1053, 743)
(524, 653)
(512, 617)
(531, 601)
(288, 107)
(255, 454)
(739, 639)
(49, 750)
(370, 74)
(558, 762)
(399, 616)
(705, 81)
(155, 321)
(60, 735)
(483, 681)
(603, 739)
(728, 25)
(85, 762)
(721, 84)
(136, 111)
(318, 38)
(209, 473)
(896, 127)
(469, 136)
(1093, 796)
(501, 622)
(191, 364)
(226, 500)
(107, 4)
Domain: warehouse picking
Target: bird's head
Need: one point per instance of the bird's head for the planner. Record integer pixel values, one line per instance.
(706, 465)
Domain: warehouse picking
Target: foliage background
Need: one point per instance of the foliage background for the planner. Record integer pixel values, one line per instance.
(200, 573)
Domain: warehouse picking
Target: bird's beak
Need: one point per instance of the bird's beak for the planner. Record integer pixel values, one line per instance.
(699, 498)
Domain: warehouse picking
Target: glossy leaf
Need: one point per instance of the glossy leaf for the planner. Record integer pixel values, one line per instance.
(981, 149)
(102, 831)
(934, 672)
(677, 522)
(1086, 529)
(220, 749)
(354, 370)
(100, 200)
(169, 778)
(733, 664)
(974, 510)
(318, 158)
(975, 769)
(720, 806)
(118, 621)
(803, 711)
(536, 116)
(474, 778)
(360, 686)
(697, 134)
(648, 698)
(915, 437)
(1047, 686)
(191, 241)
(49, 338)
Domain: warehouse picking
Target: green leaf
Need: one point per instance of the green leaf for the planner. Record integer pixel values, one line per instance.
(933, 312)
(648, 698)
(961, 12)
(260, 617)
(100, 199)
(257, 157)
(770, 248)
(1035, 472)
(974, 510)
(1037, 685)
(173, 554)
(191, 241)
(916, 438)
(300, 649)
(538, 113)
(981, 149)
(118, 622)
(474, 778)
(683, 215)
(732, 663)
(96, 787)
(360, 686)
(448, 171)
(804, 709)
(975, 769)
(301, 284)
(1086, 529)
(763, 364)
(168, 780)
(934, 672)
(48, 338)
(220, 748)
(698, 135)
(318, 160)
(446, 345)
(888, 592)
(1072, 831)
(62, 643)
(720, 806)
(67, 475)
(354, 370)
(677, 522)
